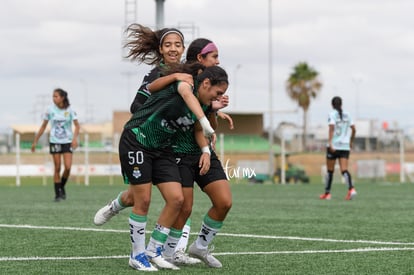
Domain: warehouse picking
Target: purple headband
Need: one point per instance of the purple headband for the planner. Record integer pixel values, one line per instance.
(210, 47)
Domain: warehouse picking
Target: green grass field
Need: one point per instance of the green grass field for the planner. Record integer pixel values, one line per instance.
(271, 229)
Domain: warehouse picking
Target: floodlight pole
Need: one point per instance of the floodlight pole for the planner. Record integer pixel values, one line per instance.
(402, 158)
(270, 63)
(18, 181)
(86, 159)
(159, 14)
(282, 157)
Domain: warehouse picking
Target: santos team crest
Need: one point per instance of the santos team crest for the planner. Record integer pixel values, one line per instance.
(136, 173)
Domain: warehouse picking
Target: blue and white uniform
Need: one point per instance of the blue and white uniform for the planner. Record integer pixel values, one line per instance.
(342, 130)
(61, 124)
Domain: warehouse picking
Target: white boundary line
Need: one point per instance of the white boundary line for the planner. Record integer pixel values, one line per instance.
(355, 250)
(28, 226)
(221, 234)
(314, 239)
(368, 249)
(5, 259)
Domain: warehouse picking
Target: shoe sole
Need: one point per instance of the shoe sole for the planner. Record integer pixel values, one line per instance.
(162, 266)
(353, 195)
(140, 269)
(204, 260)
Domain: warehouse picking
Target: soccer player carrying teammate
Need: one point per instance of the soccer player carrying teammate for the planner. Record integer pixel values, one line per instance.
(146, 156)
(203, 51)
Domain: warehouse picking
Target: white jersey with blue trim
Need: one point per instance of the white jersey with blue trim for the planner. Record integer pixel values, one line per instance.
(61, 124)
(342, 130)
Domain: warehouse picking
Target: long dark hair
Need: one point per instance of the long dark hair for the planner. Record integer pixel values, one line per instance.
(63, 94)
(215, 74)
(337, 105)
(144, 44)
(195, 49)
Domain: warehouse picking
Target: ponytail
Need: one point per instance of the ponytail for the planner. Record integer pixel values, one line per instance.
(337, 105)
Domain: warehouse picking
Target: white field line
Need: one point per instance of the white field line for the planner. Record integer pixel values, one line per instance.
(313, 239)
(6, 259)
(356, 250)
(353, 250)
(221, 234)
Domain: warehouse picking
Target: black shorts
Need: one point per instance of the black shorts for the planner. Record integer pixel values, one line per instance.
(338, 154)
(56, 148)
(140, 165)
(190, 172)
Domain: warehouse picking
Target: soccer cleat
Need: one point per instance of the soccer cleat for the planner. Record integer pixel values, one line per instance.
(59, 195)
(57, 199)
(157, 259)
(181, 258)
(204, 255)
(63, 193)
(140, 262)
(326, 196)
(104, 214)
(351, 194)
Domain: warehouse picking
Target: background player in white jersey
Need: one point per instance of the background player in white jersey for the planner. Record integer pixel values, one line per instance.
(341, 136)
(62, 140)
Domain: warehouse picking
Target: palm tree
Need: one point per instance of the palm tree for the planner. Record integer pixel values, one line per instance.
(302, 85)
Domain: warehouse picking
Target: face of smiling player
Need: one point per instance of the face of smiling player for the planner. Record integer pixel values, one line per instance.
(172, 48)
(208, 93)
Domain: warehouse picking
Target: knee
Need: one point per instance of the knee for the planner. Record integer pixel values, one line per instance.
(225, 206)
(143, 204)
(176, 201)
(186, 210)
(179, 201)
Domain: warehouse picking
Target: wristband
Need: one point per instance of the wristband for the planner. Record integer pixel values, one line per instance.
(204, 121)
(205, 124)
(205, 149)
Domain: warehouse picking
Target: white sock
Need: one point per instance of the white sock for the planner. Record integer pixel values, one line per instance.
(208, 231)
(206, 236)
(117, 203)
(158, 238)
(171, 243)
(183, 242)
(137, 226)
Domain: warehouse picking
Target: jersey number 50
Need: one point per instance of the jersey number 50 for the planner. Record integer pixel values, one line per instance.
(135, 157)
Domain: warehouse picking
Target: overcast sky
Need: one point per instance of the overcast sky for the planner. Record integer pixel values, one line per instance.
(362, 49)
